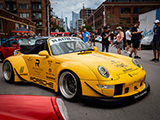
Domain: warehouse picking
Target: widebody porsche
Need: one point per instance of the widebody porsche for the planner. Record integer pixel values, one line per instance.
(69, 65)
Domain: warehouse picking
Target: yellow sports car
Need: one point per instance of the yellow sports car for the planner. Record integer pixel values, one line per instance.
(69, 65)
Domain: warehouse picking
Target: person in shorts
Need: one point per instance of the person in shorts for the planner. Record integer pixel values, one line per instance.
(136, 37)
(120, 38)
(128, 39)
(105, 42)
(156, 41)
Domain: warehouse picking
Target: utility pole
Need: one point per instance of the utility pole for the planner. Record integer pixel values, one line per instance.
(104, 14)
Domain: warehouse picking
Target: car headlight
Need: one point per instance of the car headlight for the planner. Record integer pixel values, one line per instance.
(136, 63)
(103, 71)
(106, 86)
(62, 109)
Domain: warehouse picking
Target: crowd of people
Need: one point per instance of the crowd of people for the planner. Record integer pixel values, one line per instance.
(129, 40)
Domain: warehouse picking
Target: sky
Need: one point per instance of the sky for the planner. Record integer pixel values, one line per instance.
(65, 7)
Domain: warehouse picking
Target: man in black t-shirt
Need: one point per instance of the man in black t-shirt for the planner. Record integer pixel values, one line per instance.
(136, 37)
(156, 41)
(105, 42)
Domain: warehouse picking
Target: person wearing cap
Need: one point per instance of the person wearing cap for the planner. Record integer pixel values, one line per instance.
(156, 41)
(128, 39)
(105, 42)
(135, 40)
(119, 37)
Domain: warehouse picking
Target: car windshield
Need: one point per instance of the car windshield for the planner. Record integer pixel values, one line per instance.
(64, 45)
(30, 41)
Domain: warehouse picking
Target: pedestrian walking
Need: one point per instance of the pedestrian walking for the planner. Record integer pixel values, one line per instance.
(120, 37)
(128, 39)
(92, 39)
(135, 40)
(86, 36)
(105, 42)
(124, 40)
(156, 41)
(112, 37)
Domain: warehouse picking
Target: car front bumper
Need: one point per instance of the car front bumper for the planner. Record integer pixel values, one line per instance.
(131, 98)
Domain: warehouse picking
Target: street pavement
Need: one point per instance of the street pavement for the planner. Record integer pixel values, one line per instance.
(145, 109)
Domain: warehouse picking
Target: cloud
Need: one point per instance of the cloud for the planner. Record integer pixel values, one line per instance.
(65, 7)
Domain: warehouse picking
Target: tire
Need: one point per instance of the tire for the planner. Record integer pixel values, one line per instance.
(70, 86)
(1, 56)
(8, 73)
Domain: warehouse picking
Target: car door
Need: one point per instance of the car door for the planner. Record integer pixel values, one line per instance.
(41, 70)
(9, 47)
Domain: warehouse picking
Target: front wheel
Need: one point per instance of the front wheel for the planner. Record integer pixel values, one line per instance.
(8, 73)
(70, 86)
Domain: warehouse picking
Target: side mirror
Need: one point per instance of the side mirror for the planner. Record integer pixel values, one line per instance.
(95, 48)
(44, 53)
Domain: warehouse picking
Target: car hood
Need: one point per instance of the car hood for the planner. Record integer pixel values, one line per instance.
(17, 107)
(114, 64)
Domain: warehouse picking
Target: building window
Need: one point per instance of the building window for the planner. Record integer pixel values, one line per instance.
(37, 15)
(124, 21)
(1, 6)
(138, 10)
(1, 26)
(22, 25)
(125, 10)
(36, 6)
(17, 25)
(24, 15)
(23, 6)
(11, 6)
(108, 16)
(135, 19)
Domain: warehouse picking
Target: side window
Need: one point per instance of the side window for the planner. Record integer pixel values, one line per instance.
(6, 44)
(12, 43)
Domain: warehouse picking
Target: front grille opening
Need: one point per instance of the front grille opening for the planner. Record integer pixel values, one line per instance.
(127, 90)
(135, 87)
(118, 89)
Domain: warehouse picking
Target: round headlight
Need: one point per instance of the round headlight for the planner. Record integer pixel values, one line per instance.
(103, 71)
(136, 63)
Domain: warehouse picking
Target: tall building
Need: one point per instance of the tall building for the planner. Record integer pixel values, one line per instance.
(71, 26)
(85, 13)
(35, 10)
(78, 24)
(75, 16)
(112, 13)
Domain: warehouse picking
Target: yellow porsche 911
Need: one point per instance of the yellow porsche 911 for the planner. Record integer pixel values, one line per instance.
(69, 65)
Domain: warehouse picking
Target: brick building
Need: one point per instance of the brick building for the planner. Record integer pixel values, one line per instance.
(35, 10)
(120, 13)
(10, 21)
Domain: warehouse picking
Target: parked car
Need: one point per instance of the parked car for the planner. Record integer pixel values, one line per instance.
(98, 38)
(68, 65)
(7, 49)
(147, 42)
(29, 107)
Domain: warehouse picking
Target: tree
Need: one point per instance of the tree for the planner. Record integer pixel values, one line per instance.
(54, 26)
(88, 27)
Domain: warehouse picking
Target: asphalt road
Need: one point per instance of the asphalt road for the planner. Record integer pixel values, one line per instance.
(145, 109)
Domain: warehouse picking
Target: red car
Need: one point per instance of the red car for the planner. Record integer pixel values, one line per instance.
(24, 107)
(7, 48)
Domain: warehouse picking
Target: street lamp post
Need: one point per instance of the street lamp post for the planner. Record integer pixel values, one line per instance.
(48, 27)
(104, 14)
(93, 22)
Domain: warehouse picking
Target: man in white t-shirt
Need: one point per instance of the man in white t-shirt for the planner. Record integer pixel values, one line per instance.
(128, 39)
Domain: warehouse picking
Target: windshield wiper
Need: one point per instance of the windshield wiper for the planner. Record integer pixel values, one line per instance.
(87, 50)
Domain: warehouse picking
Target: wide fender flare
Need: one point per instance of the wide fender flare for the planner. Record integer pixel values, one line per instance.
(81, 70)
(20, 69)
